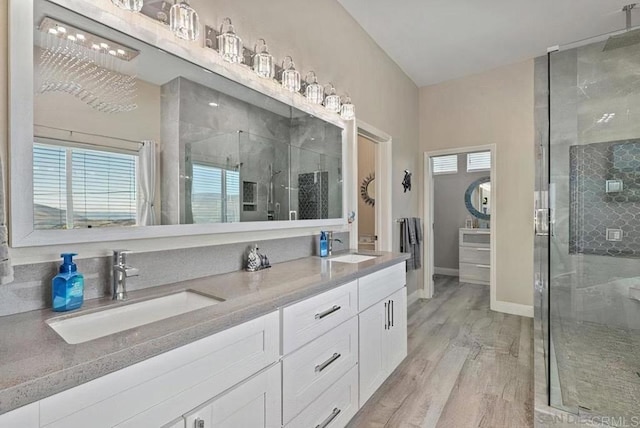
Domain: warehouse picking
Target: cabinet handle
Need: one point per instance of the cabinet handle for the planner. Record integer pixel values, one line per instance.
(330, 418)
(198, 423)
(389, 315)
(393, 317)
(386, 313)
(321, 315)
(327, 363)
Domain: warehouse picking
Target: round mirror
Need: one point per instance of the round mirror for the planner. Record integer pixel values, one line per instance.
(477, 198)
(368, 189)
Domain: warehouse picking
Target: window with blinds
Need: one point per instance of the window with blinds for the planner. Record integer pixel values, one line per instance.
(215, 194)
(81, 188)
(479, 161)
(445, 164)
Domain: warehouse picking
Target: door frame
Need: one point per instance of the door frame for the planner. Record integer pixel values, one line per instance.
(384, 166)
(428, 288)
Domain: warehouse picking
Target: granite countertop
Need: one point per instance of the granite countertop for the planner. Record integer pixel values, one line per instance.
(35, 362)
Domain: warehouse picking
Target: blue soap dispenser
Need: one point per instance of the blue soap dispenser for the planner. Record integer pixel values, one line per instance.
(67, 287)
(324, 244)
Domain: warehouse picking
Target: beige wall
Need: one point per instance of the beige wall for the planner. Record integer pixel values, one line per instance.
(495, 107)
(319, 35)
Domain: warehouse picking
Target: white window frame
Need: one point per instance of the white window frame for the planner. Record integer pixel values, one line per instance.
(444, 172)
(487, 167)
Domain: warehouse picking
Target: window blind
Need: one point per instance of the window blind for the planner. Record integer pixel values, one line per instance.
(479, 161)
(215, 194)
(82, 188)
(445, 164)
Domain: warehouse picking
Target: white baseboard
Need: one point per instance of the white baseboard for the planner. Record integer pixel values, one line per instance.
(512, 308)
(446, 271)
(413, 297)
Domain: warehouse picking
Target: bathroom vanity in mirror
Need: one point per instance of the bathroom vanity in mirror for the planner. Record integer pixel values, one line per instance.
(181, 144)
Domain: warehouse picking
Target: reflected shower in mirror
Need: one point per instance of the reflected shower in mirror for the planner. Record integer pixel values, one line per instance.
(222, 153)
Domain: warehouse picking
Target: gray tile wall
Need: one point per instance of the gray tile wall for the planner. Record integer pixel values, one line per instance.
(31, 289)
(593, 211)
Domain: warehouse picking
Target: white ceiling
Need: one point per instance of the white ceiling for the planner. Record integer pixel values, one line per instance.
(438, 40)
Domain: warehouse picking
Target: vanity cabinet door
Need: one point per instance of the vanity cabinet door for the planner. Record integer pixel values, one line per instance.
(373, 332)
(383, 341)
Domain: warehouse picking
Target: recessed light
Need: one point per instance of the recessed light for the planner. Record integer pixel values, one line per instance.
(212, 104)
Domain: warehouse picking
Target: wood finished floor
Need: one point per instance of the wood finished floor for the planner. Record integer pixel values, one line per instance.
(467, 366)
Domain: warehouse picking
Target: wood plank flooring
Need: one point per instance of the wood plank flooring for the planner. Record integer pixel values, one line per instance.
(467, 366)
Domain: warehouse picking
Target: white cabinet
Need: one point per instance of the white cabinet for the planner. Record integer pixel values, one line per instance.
(315, 367)
(254, 403)
(383, 341)
(24, 417)
(302, 322)
(475, 256)
(156, 391)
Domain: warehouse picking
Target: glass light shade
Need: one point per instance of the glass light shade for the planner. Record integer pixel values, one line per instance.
(263, 63)
(290, 76)
(184, 21)
(314, 92)
(132, 5)
(229, 44)
(348, 110)
(332, 101)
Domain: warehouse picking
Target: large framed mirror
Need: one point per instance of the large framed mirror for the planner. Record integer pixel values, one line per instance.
(120, 133)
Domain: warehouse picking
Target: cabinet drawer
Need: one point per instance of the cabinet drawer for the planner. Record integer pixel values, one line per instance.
(475, 255)
(475, 273)
(304, 321)
(334, 408)
(157, 390)
(375, 287)
(312, 369)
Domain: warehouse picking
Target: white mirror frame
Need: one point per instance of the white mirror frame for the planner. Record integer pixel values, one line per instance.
(21, 116)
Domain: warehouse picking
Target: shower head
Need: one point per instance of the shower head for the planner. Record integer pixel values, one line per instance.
(628, 38)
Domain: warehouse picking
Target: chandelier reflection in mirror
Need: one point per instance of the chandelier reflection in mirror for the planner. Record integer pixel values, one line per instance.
(86, 66)
(348, 110)
(290, 76)
(229, 44)
(332, 101)
(263, 63)
(314, 92)
(132, 5)
(184, 21)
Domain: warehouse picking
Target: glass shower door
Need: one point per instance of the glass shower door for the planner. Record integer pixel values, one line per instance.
(594, 239)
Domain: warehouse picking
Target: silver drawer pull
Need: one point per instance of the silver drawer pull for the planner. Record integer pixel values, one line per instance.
(327, 363)
(330, 418)
(484, 266)
(328, 312)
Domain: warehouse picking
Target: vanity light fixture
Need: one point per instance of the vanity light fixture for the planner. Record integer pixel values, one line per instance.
(347, 110)
(332, 101)
(229, 44)
(263, 63)
(131, 5)
(314, 92)
(290, 76)
(184, 21)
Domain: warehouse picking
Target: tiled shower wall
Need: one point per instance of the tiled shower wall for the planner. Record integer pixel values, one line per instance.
(31, 289)
(592, 210)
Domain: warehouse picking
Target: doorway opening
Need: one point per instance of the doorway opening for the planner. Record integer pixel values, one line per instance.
(460, 198)
(367, 234)
(372, 178)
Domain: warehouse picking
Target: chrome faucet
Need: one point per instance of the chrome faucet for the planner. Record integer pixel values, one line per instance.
(119, 274)
(330, 240)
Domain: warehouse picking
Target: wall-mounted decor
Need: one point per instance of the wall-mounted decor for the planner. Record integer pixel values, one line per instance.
(406, 181)
(368, 189)
(477, 198)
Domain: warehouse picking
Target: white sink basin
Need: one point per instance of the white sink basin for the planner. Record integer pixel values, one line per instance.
(109, 321)
(352, 258)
